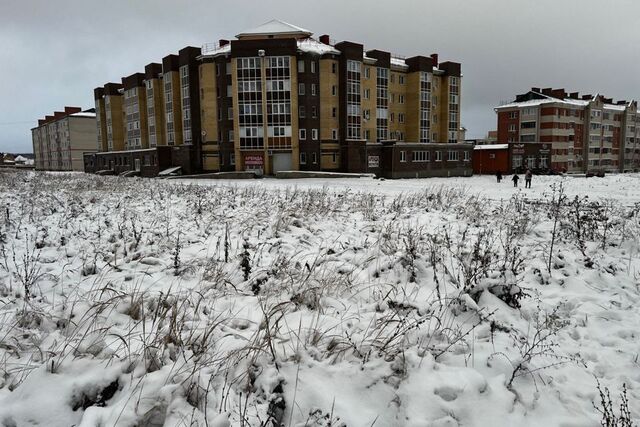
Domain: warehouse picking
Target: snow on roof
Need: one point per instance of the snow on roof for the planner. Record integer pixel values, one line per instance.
(274, 26)
(83, 114)
(20, 159)
(546, 100)
(313, 46)
(615, 107)
(491, 147)
(213, 49)
(398, 62)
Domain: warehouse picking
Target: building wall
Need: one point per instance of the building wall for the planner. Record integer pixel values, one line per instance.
(209, 117)
(114, 115)
(82, 139)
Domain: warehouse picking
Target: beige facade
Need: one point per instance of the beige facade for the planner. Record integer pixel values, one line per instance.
(59, 143)
(155, 112)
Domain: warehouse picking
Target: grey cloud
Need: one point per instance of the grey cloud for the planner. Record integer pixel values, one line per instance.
(53, 53)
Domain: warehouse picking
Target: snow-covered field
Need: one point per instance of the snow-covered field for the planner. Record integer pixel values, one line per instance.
(361, 302)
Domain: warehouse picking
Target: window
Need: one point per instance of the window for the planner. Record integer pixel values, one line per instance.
(512, 127)
(334, 67)
(401, 99)
(334, 134)
(303, 158)
(314, 111)
(516, 161)
(528, 125)
(300, 88)
(401, 80)
(302, 113)
(314, 134)
(453, 156)
(367, 94)
(403, 156)
(302, 134)
(301, 66)
(334, 112)
(438, 156)
(232, 159)
(230, 136)
(313, 68)
(527, 138)
(313, 88)
(513, 114)
(334, 157)
(334, 90)
(467, 156)
(420, 156)
(314, 156)
(367, 72)
(401, 117)
(230, 113)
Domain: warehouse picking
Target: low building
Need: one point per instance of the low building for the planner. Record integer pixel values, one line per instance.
(60, 140)
(512, 158)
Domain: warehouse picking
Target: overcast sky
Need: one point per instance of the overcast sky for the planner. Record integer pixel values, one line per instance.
(54, 53)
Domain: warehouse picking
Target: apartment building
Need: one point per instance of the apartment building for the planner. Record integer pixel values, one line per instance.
(586, 133)
(60, 140)
(275, 98)
(287, 101)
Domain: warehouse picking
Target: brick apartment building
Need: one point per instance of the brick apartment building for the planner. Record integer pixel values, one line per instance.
(587, 133)
(60, 140)
(278, 99)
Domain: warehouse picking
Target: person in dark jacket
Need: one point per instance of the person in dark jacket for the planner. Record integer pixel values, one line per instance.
(499, 176)
(515, 179)
(527, 179)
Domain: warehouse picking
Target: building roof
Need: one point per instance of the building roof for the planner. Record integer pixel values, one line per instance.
(310, 45)
(275, 27)
(491, 147)
(546, 99)
(83, 114)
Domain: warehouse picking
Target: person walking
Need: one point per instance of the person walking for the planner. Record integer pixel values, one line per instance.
(515, 179)
(499, 176)
(527, 179)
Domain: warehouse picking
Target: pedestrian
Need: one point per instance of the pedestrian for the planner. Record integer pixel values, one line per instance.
(527, 179)
(499, 176)
(515, 179)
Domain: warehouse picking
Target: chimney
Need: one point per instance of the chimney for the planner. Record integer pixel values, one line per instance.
(434, 58)
(41, 122)
(325, 39)
(223, 42)
(559, 93)
(587, 97)
(574, 95)
(547, 91)
(535, 89)
(622, 102)
(608, 101)
(72, 110)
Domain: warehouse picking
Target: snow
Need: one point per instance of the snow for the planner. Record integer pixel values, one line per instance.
(310, 45)
(315, 302)
(398, 62)
(274, 26)
(491, 147)
(83, 114)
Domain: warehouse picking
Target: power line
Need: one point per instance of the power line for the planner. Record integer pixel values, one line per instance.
(15, 123)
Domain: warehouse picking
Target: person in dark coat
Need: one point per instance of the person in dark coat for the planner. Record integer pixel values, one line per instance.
(527, 179)
(515, 179)
(499, 176)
